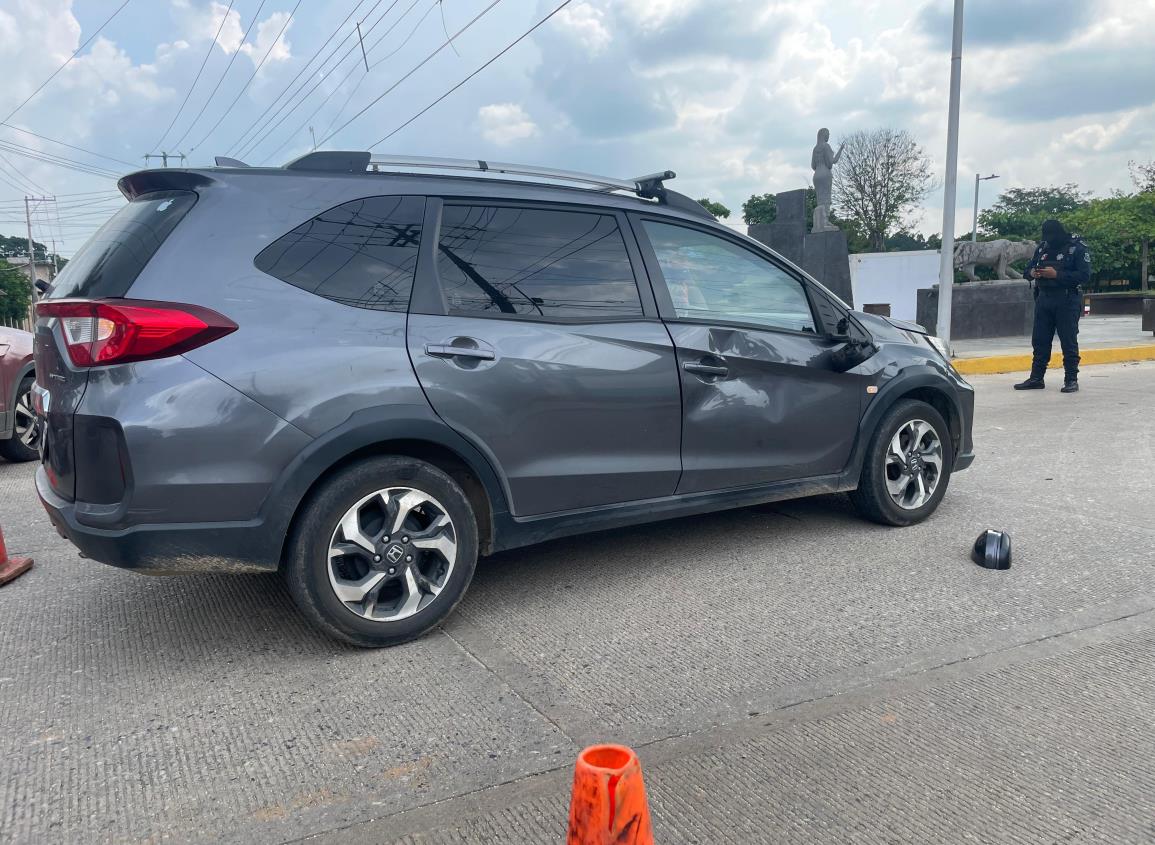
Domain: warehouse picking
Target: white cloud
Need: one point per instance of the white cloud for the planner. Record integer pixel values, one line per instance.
(587, 26)
(225, 25)
(270, 39)
(504, 123)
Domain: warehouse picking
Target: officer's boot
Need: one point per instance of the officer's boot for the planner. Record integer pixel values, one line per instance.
(1035, 382)
(1070, 383)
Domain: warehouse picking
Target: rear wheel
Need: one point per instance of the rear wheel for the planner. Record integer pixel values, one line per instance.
(24, 444)
(907, 466)
(383, 551)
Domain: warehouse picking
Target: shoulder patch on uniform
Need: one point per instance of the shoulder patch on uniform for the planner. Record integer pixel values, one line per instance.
(1087, 257)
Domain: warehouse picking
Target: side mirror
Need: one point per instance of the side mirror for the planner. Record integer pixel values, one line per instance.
(850, 353)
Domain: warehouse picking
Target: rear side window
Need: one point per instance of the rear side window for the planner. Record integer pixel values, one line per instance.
(362, 253)
(108, 264)
(535, 263)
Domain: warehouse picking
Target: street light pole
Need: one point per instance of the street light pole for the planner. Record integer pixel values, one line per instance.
(975, 225)
(946, 262)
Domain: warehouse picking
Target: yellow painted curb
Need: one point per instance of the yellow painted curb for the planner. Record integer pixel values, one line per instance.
(1016, 363)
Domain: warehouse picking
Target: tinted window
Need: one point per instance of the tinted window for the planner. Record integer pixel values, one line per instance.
(108, 264)
(362, 253)
(711, 278)
(534, 262)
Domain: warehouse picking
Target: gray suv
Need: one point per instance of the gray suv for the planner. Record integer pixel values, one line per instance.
(366, 372)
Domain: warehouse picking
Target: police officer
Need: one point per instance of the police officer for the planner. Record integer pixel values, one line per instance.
(1061, 264)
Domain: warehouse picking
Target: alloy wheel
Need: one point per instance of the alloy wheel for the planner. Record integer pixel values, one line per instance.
(913, 464)
(27, 429)
(392, 554)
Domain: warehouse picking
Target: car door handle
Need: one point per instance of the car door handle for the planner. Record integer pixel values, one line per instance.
(441, 350)
(701, 369)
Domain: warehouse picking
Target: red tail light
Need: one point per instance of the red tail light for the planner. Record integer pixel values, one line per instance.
(118, 331)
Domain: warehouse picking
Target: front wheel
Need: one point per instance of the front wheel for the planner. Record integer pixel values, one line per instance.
(24, 444)
(382, 552)
(907, 466)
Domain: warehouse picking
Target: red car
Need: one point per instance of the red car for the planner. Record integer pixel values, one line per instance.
(19, 433)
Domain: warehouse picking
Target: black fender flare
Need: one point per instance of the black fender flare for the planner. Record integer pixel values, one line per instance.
(366, 429)
(908, 379)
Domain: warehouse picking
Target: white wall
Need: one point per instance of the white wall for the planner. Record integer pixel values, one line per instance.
(894, 278)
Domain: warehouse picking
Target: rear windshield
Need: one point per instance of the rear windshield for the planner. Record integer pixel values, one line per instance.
(109, 263)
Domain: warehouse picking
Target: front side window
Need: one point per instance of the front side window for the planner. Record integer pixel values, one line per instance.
(710, 278)
(362, 253)
(525, 262)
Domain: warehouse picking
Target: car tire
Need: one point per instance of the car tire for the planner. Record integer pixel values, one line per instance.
(909, 437)
(357, 580)
(22, 446)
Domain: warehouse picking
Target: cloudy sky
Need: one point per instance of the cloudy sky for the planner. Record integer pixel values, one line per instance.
(729, 93)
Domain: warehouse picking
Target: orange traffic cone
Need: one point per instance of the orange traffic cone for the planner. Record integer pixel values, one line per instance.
(13, 567)
(609, 799)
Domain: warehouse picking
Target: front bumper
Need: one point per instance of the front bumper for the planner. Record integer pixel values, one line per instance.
(164, 549)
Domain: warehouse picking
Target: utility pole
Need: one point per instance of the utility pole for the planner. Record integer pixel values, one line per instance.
(164, 157)
(32, 253)
(946, 262)
(975, 225)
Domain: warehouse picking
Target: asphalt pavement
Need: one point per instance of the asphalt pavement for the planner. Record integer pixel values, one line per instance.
(787, 673)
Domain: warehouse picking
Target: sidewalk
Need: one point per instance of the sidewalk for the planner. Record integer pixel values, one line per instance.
(1102, 340)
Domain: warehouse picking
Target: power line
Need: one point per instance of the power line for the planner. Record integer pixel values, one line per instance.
(228, 67)
(445, 27)
(17, 179)
(51, 158)
(63, 144)
(430, 57)
(66, 62)
(255, 142)
(249, 82)
(301, 72)
(361, 81)
(508, 47)
(197, 78)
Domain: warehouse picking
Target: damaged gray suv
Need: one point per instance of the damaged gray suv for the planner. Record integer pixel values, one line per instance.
(365, 372)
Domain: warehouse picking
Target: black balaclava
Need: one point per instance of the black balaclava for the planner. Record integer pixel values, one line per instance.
(1055, 235)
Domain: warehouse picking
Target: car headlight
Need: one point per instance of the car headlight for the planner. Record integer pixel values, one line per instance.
(937, 343)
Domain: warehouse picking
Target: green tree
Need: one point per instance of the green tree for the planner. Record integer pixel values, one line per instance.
(716, 208)
(904, 241)
(13, 245)
(883, 177)
(1143, 175)
(15, 293)
(760, 208)
(1118, 230)
(1019, 213)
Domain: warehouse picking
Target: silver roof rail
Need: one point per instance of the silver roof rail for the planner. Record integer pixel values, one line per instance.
(481, 166)
(647, 187)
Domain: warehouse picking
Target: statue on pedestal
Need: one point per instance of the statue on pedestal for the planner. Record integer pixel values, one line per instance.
(822, 160)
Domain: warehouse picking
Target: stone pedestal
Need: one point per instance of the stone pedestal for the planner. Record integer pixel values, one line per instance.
(821, 254)
(789, 226)
(826, 257)
(982, 309)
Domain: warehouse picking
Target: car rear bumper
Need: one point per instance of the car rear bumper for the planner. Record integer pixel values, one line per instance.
(163, 549)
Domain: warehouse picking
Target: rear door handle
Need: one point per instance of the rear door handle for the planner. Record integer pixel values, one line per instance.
(441, 350)
(701, 369)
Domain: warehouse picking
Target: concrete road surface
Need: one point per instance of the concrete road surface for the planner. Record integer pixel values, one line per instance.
(788, 673)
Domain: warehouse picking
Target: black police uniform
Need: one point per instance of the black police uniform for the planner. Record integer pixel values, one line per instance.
(1059, 304)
